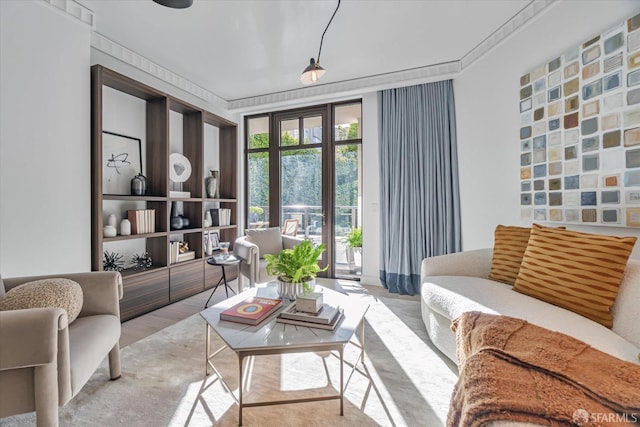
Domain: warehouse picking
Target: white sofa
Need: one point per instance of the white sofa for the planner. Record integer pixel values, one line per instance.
(456, 283)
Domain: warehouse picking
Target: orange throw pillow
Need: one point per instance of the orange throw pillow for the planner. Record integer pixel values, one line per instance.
(508, 248)
(577, 271)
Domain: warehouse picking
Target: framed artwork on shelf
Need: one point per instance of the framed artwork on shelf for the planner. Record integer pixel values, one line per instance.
(215, 239)
(121, 162)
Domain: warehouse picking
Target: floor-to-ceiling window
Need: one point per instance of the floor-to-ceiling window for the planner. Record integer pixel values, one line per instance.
(304, 174)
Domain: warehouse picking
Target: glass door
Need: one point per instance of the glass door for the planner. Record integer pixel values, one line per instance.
(301, 154)
(304, 174)
(347, 186)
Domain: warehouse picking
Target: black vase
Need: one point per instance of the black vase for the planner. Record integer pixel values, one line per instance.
(139, 185)
(175, 220)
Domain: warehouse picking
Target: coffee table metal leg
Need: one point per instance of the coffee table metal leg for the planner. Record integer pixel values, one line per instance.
(342, 381)
(240, 387)
(207, 351)
(362, 341)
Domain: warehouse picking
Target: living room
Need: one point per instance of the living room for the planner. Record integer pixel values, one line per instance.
(47, 49)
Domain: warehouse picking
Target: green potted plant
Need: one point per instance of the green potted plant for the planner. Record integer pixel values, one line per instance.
(354, 249)
(256, 213)
(296, 268)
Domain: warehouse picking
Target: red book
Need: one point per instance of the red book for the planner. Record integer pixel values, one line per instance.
(251, 311)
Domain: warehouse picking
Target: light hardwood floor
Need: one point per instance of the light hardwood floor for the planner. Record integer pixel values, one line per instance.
(135, 329)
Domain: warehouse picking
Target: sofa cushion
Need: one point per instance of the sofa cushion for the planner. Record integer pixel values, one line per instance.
(450, 296)
(508, 248)
(268, 240)
(53, 292)
(577, 271)
(2, 291)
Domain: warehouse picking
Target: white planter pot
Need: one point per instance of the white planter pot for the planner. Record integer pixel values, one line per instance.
(290, 290)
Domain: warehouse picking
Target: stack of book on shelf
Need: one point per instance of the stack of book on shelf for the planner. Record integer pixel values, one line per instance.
(142, 221)
(327, 317)
(220, 217)
(251, 311)
(177, 256)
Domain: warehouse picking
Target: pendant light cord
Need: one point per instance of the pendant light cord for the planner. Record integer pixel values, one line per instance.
(325, 30)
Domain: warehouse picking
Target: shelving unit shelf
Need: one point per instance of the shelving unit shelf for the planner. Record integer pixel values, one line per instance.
(164, 282)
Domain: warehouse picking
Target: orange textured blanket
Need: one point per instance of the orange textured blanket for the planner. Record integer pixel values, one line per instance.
(514, 371)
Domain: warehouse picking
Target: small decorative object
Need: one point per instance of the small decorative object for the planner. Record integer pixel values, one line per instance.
(176, 220)
(207, 219)
(112, 261)
(215, 240)
(141, 262)
(212, 184)
(208, 245)
(125, 227)
(309, 302)
(183, 247)
(109, 231)
(179, 172)
(296, 268)
(138, 185)
(224, 249)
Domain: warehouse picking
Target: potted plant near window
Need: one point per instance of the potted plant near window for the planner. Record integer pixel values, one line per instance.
(296, 268)
(354, 249)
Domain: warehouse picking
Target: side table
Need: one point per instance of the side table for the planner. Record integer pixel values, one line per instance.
(222, 261)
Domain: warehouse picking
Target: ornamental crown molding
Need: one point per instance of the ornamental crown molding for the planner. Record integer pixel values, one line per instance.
(400, 78)
(108, 46)
(75, 10)
(355, 86)
(517, 22)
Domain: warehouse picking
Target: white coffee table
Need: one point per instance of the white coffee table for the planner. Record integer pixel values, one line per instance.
(271, 337)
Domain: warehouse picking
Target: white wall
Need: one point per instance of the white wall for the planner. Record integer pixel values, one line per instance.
(45, 181)
(488, 119)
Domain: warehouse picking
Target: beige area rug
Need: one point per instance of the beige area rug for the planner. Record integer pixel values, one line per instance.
(403, 382)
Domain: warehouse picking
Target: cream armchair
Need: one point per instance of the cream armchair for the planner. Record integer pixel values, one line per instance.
(44, 361)
(252, 249)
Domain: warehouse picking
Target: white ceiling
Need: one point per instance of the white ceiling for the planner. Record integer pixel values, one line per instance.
(245, 48)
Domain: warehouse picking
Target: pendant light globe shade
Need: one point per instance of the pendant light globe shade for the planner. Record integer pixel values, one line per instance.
(312, 73)
(175, 4)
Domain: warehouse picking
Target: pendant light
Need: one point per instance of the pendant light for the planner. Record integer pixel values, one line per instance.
(314, 71)
(175, 4)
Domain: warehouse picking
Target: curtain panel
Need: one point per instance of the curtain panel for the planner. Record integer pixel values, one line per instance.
(419, 200)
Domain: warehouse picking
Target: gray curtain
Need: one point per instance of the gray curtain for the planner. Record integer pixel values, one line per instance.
(419, 197)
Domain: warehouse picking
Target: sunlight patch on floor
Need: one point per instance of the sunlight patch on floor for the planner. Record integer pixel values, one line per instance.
(432, 378)
(203, 404)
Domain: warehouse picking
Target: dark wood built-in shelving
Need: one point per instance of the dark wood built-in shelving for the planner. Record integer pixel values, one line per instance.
(164, 282)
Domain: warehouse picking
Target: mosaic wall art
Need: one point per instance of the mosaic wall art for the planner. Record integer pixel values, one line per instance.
(580, 133)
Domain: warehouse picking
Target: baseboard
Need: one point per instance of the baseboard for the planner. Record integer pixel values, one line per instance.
(370, 280)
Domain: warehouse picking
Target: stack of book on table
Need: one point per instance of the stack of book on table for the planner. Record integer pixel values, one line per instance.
(327, 317)
(252, 310)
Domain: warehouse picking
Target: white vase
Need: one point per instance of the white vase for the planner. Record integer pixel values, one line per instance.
(125, 227)
(208, 245)
(207, 218)
(109, 231)
(111, 220)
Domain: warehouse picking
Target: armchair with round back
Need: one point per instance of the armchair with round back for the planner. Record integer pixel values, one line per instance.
(252, 248)
(46, 356)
